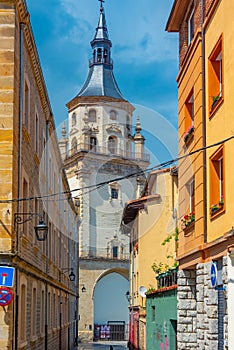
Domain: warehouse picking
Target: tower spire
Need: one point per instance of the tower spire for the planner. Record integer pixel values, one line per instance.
(100, 80)
(101, 1)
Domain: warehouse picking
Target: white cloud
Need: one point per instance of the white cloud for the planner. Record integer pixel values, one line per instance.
(136, 30)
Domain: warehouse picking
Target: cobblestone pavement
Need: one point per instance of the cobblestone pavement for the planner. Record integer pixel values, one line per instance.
(103, 345)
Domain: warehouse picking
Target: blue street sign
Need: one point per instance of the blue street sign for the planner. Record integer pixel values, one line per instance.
(7, 276)
(213, 274)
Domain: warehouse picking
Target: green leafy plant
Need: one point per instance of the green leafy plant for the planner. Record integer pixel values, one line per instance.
(159, 267)
(174, 235)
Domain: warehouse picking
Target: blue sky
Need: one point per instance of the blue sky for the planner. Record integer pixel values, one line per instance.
(145, 55)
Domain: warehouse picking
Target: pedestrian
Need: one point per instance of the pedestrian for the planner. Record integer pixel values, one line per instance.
(111, 347)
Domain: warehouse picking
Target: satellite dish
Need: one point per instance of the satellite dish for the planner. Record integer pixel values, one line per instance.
(142, 290)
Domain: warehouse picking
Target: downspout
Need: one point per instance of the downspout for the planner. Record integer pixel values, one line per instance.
(21, 70)
(78, 277)
(132, 335)
(60, 254)
(69, 286)
(204, 121)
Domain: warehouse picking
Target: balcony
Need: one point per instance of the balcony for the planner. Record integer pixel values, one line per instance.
(86, 147)
(103, 253)
(101, 60)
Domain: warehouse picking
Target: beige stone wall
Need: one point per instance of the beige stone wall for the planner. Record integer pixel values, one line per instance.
(7, 19)
(40, 267)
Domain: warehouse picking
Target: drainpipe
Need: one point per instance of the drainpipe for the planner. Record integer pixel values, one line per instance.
(204, 121)
(21, 70)
(132, 335)
(78, 277)
(60, 255)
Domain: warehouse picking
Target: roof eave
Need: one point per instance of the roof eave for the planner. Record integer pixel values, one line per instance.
(95, 99)
(176, 15)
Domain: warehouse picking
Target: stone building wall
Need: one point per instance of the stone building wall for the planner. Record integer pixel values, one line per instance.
(41, 285)
(198, 308)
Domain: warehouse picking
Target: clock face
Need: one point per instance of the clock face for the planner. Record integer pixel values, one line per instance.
(213, 274)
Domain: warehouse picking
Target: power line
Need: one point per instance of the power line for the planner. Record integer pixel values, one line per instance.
(93, 187)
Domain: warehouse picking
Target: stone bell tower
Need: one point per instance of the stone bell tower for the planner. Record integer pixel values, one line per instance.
(99, 159)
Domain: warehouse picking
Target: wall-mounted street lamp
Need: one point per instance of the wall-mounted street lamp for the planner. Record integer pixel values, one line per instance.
(41, 229)
(83, 289)
(71, 275)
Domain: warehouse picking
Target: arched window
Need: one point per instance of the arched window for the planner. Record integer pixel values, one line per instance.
(128, 123)
(99, 55)
(23, 309)
(34, 310)
(112, 144)
(105, 55)
(92, 143)
(73, 119)
(113, 115)
(73, 145)
(92, 115)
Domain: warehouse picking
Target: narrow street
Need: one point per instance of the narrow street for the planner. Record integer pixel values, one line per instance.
(103, 345)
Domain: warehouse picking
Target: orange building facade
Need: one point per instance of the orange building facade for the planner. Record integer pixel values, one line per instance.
(205, 208)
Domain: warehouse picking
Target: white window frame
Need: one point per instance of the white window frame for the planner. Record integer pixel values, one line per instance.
(191, 26)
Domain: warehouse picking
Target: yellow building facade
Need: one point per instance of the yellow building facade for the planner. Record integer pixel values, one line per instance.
(43, 313)
(205, 85)
(150, 220)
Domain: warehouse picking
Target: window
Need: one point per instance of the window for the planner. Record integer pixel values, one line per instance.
(191, 26)
(26, 103)
(92, 115)
(190, 188)
(113, 115)
(128, 123)
(99, 55)
(36, 133)
(42, 309)
(73, 119)
(49, 310)
(189, 117)
(34, 311)
(115, 251)
(74, 145)
(92, 143)
(35, 221)
(153, 314)
(217, 180)
(114, 193)
(25, 204)
(112, 144)
(215, 71)
(105, 55)
(22, 324)
(189, 111)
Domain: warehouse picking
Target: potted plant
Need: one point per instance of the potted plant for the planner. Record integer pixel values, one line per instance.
(215, 100)
(214, 208)
(188, 219)
(221, 202)
(189, 133)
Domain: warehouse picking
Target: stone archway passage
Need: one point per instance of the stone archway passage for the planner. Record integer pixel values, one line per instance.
(111, 306)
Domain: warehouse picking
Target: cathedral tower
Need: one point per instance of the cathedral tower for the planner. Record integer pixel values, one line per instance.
(98, 148)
